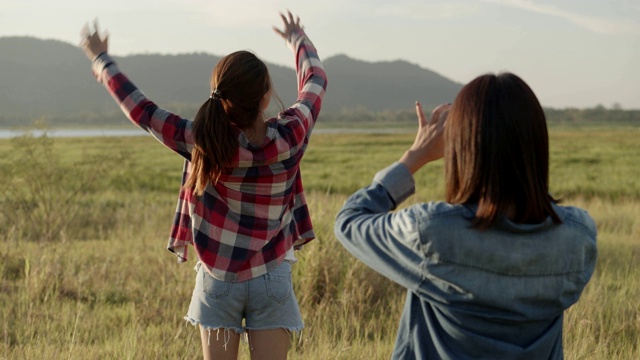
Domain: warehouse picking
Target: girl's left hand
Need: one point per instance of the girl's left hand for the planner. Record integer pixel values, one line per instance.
(429, 142)
(92, 43)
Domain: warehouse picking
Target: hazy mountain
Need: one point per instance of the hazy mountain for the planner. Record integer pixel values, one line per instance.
(388, 85)
(53, 78)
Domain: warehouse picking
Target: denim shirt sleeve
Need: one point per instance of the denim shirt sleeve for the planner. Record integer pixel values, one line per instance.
(387, 242)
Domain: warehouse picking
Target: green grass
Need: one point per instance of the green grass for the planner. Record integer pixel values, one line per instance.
(106, 288)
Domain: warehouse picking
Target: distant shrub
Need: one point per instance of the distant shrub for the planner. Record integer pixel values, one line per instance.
(42, 190)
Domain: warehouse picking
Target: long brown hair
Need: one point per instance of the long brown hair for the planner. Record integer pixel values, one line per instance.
(497, 151)
(240, 81)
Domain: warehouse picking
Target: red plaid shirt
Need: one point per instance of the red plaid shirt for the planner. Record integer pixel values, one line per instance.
(242, 226)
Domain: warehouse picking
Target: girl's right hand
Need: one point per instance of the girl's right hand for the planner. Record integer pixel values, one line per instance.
(290, 25)
(93, 44)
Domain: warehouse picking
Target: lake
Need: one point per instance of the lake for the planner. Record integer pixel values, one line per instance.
(74, 133)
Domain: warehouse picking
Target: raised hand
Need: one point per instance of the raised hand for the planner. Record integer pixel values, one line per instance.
(290, 25)
(92, 43)
(429, 142)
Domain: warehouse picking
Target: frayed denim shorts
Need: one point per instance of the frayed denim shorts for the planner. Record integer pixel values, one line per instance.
(266, 302)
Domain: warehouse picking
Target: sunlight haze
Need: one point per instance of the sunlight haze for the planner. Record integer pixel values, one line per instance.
(573, 53)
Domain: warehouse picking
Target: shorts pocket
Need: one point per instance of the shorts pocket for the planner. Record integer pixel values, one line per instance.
(214, 288)
(279, 288)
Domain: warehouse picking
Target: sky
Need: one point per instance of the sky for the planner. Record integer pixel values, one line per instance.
(573, 53)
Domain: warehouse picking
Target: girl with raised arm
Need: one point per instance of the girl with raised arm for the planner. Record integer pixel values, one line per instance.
(490, 270)
(241, 204)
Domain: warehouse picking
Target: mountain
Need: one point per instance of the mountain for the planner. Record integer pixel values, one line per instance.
(387, 85)
(53, 79)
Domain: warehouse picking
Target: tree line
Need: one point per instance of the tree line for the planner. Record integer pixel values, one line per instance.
(355, 116)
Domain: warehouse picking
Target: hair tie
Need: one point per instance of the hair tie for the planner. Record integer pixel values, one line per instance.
(215, 94)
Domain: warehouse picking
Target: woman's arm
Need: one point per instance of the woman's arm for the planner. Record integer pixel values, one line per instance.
(170, 129)
(390, 242)
(311, 77)
(387, 242)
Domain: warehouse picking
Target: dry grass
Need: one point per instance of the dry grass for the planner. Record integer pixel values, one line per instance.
(108, 289)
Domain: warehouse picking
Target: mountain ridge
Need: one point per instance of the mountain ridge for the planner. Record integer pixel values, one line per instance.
(52, 78)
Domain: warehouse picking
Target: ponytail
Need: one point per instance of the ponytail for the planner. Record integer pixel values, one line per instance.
(215, 145)
(239, 82)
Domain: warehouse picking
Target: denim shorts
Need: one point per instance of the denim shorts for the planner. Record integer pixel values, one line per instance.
(266, 302)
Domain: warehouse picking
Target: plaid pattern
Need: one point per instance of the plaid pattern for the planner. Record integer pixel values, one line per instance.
(243, 226)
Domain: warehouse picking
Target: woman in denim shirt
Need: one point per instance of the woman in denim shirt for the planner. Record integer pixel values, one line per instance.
(489, 271)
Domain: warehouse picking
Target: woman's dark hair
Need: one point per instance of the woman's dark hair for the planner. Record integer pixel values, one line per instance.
(497, 151)
(240, 81)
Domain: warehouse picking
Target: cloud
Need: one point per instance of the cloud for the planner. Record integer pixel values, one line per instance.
(594, 24)
(418, 10)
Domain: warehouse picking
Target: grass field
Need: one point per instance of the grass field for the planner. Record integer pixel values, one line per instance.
(84, 273)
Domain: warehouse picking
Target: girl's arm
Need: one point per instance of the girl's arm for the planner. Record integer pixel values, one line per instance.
(388, 242)
(170, 129)
(311, 77)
